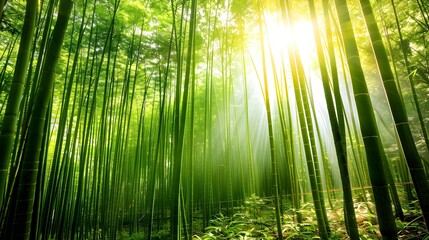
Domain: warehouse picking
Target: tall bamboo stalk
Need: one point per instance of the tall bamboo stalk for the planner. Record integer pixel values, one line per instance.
(339, 140)
(371, 137)
(28, 173)
(398, 111)
(179, 123)
(411, 76)
(9, 126)
(270, 129)
(2, 6)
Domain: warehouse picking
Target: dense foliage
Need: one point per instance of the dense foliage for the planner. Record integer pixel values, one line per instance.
(214, 119)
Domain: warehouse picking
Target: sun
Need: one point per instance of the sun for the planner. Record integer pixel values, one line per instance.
(274, 39)
(279, 37)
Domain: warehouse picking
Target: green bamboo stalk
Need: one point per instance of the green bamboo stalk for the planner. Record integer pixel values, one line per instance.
(134, 170)
(299, 75)
(56, 179)
(107, 154)
(389, 176)
(77, 215)
(88, 132)
(335, 120)
(411, 73)
(208, 113)
(274, 167)
(310, 165)
(296, 187)
(9, 126)
(41, 179)
(192, 147)
(403, 171)
(359, 167)
(398, 111)
(6, 57)
(307, 132)
(251, 180)
(27, 179)
(373, 147)
(159, 140)
(63, 179)
(424, 12)
(180, 128)
(43, 45)
(311, 137)
(289, 165)
(402, 166)
(334, 76)
(351, 130)
(350, 125)
(2, 6)
(226, 106)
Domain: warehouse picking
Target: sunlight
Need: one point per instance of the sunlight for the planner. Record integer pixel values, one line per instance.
(278, 40)
(198, 119)
(280, 37)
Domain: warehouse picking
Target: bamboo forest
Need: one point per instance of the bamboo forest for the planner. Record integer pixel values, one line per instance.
(214, 119)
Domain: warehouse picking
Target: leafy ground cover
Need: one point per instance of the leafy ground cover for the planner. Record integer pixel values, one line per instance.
(256, 220)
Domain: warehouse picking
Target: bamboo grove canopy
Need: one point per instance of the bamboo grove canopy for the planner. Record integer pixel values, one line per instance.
(145, 119)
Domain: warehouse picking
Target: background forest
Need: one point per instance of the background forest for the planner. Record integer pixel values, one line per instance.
(214, 119)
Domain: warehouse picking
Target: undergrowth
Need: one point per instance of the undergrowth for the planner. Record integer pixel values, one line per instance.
(256, 220)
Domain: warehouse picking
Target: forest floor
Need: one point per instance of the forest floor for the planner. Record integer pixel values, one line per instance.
(256, 220)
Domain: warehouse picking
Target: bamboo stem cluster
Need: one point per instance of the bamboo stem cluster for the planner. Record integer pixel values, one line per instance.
(155, 118)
